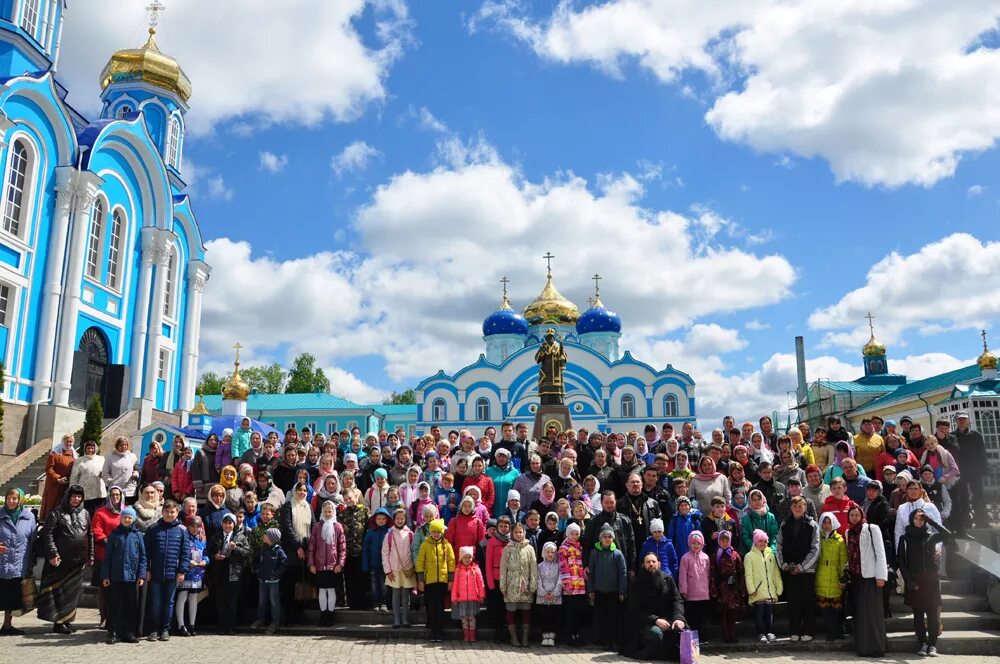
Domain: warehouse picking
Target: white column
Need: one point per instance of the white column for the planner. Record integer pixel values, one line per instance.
(140, 317)
(198, 273)
(52, 287)
(161, 257)
(85, 195)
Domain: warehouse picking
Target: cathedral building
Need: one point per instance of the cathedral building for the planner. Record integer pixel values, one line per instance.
(606, 389)
(102, 264)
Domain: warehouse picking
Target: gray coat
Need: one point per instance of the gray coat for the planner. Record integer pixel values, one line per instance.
(19, 538)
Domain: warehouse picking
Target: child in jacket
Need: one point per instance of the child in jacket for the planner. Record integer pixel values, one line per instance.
(446, 498)
(518, 583)
(123, 574)
(659, 544)
(607, 584)
(494, 552)
(685, 521)
(764, 585)
(371, 556)
(829, 570)
(468, 592)
(326, 556)
(271, 563)
(728, 584)
(400, 573)
(694, 579)
(435, 573)
(574, 584)
(186, 602)
(228, 552)
(549, 595)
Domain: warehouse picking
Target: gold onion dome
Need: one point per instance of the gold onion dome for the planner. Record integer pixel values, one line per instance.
(147, 65)
(987, 361)
(873, 347)
(199, 408)
(551, 307)
(236, 388)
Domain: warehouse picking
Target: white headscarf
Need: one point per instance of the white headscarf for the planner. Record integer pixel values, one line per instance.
(328, 523)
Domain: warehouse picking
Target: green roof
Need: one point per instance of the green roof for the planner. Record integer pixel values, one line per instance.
(851, 386)
(394, 409)
(929, 384)
(309, 401)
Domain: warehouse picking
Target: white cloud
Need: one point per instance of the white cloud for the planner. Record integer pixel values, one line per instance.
(756, 325)
(429, 122)
(889, 94)
(273, 163)
(344, 383)
(906, 293)
(217, 188)
(975, 190)
(302, 64)
(354, 157)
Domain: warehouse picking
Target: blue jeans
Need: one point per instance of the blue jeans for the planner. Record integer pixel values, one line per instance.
(161, 604)
(378, 587)
(269, 594)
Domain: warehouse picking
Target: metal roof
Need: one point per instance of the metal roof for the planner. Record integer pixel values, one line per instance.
(308, 401)
(929, 384)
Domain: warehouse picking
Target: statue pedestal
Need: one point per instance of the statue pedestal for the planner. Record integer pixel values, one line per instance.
(549, 415)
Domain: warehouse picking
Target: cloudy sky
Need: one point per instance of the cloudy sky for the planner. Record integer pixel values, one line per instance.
(739, 173)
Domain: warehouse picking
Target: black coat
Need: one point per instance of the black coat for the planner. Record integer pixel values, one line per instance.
(623, 535)
(66, 533)
(971, 457)
(230, 569)
(650, 597)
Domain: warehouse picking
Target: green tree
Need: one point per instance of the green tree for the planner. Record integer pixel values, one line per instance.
(211, 383)
(305, 377)
(93, 424)
(400, 398)
(265, 380)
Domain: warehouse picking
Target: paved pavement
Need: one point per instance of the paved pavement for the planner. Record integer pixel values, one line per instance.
(87, 646)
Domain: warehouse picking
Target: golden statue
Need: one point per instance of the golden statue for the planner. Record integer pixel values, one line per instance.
(551, 358)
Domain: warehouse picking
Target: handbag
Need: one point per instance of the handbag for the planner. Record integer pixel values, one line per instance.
(305, 591)
(690, 647)
(29, 593)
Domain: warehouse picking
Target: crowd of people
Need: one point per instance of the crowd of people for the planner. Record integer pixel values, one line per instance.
(622, 540)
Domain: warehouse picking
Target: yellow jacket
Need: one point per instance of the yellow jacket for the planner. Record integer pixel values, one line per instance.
(435, 561)
(762, 575)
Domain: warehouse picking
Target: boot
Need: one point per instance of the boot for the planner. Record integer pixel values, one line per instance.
(525, 628)
(465, 635)
(472, 635)
(512, 632)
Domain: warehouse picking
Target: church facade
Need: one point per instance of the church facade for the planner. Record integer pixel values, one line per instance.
(102, 264)
(605, 389)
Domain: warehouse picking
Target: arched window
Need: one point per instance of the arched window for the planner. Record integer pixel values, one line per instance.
(438, 410)
(670, 405)
(114, 250)
(29, 16)
(124, 110)
(96, 235)
(483, 409)
(168, 284)
(628, 406)
(174, 143)
(17, 184)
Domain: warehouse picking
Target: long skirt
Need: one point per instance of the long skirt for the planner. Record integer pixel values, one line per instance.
(60, 592)
(869, 619)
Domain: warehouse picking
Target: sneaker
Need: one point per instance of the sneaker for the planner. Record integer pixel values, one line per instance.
(793, 637)
(771, 638)
(922, 651)
(932, 651)
(152, 636)
(805, 638)
(164, 635)
(272, 629)
(763, 638)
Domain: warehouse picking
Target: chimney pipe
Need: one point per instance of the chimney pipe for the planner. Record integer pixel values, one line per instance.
(800, 368)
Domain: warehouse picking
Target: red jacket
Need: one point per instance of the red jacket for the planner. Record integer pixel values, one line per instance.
(101, 526)
(468, 584)
(327, 556)
(839, 509)
(181, 480)
(465, 531)
(494, 551)
(486, 491)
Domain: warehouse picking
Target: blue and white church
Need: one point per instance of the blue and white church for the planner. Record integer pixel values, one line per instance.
(606, 389)
(102, 264)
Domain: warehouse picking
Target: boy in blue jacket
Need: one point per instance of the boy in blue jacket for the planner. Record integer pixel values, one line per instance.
(607, 583)
(685, 521)
(271, 563)
(371, 556)
(659, 544)
(169, 552)
(124, 572)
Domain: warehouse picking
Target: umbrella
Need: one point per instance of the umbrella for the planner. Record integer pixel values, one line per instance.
(220, 422)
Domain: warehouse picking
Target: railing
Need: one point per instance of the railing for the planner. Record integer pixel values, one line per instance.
(13, 467)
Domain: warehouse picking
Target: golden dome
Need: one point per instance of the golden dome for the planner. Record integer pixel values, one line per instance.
(199, 408)
(873, 348)
(236, 388)
(987, 361)
(551, 307)
(147, 65)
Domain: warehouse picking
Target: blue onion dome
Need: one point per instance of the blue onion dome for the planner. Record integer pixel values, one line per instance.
(505, 321)
(598, 319)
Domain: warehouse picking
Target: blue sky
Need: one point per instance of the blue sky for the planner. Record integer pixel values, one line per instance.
(364, 174)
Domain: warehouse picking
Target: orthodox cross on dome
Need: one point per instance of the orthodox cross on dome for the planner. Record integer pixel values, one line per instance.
(237, 346)
(983, 335)
(154, 8)
(504, 280)
(548, 260)
(597, 286)
(590, 302)
(871, 325)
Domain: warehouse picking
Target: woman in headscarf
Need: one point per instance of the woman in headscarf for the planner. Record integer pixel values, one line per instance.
(546, 498)
(708, 483)
(738, 478)
(919, 558)
(296, 519)
(229, 480)
(17, 541)
(324, 466)
(326, 556)
(787, 467)
(152, 465)
(106, 518)
(682, 468)
(348, 486)
(529, 484)
(176, 454)
(87, 473)
(66, 544)
(758, 517)
(878, 512)
(212, 512)
(147, 508)
(329, 491)
(121, 468)
(759, 450)
(58, 468)
(267, 492)
(869, 573)
(741, 455)
(284, 473)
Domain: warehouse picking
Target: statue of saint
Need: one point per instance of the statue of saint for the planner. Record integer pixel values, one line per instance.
(551, 360)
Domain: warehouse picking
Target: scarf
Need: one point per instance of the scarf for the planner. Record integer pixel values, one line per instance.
(710, 475)
(228, 484)
(328, 526)
(15, 513)
(600, 547)
(301, 518)
(503, 538)
(854, 547)
(110, 505)
(546, 501)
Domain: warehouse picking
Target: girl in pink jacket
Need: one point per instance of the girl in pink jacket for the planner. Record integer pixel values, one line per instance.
(468, 592)
(326, 556)
(693, 580)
